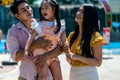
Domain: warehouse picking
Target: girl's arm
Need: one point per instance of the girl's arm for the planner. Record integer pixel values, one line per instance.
(65, 44)
(32, 36)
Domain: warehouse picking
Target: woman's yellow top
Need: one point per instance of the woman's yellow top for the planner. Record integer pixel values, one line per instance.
(76, 48)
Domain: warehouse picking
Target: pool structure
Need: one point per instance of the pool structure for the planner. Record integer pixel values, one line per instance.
(3, 46)
(112, 48)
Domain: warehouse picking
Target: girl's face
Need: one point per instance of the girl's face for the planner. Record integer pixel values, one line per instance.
(79, 15)
(47, 11)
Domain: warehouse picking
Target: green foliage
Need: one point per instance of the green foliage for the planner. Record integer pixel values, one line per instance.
(31, 1)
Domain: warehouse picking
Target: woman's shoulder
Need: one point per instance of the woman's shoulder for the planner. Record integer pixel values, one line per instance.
(96, 39)
(70, 35)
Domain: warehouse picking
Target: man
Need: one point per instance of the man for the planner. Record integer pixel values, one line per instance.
(17, 37)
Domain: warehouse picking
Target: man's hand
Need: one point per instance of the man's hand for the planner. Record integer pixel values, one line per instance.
(40, 43)
(40, 61)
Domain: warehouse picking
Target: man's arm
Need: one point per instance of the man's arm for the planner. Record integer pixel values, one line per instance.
(40, 43)
(19, 55)
(53, 53)
(41, 59)
(36, 44)
(58, 50)
(13, 44)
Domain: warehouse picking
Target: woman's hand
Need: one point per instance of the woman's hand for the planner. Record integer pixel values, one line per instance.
(73, 58)
(76, 57)
(69, 59)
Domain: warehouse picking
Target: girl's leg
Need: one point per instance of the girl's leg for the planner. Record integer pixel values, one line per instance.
(56, 69)
(42, 74)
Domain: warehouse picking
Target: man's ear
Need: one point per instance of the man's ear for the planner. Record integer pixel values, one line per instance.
(17, 16)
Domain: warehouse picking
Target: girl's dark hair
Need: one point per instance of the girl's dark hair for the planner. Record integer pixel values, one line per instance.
(90, 25)
(55, 6)
(15, 4)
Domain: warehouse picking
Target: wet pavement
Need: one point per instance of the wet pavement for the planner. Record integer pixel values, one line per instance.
(109, 70)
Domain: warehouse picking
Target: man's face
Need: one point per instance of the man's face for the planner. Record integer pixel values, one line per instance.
(24, 12)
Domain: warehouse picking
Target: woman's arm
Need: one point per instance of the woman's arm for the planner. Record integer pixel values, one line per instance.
(95, 61)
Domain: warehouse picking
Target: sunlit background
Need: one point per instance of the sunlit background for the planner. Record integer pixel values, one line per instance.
(109, 23)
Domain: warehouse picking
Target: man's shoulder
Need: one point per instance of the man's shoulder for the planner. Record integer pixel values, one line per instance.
(14, 28)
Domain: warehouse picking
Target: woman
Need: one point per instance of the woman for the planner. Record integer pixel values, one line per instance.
(85, 44)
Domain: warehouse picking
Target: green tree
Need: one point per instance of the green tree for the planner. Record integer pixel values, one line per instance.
(31, 1)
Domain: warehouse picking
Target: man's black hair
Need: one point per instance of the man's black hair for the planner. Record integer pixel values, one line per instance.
(15, 4)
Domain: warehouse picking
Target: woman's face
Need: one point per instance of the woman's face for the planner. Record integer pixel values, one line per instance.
(47, 11)
(79, 15)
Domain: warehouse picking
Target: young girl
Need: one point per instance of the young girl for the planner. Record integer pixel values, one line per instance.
(50, 28)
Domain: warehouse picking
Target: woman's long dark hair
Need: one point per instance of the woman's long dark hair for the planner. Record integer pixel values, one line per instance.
(55, 6)
(90, 25)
